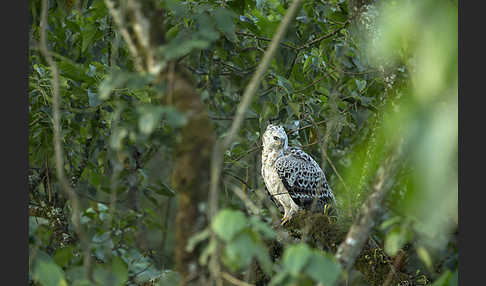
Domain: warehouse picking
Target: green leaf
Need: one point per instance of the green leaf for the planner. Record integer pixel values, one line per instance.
(185, 42)
(118, 79)
(262, 227)
(74, 71)
(172, 32)
(116, 138)
(264, 259)
(393, 242)
(93, 99)
(267, 26)
(389, 222)
(279, 278)
(269, 111)
(224, 22)
(89, 33)
(169, 278)
(240, 251)
(47, 273)
(78, 276)
(295, 107)
(149, 118)
(163, 189)
(323, 269)
(176, 7)
(227, 223)
(174, 118)
(35, 222)
(296, 257)
(448, 278)
(102, 207)
(424, 256)
(120, 270)
(307, 64)
(361, 84)
(285, 84)
(62, 256)
(115, 274)
(83, 282)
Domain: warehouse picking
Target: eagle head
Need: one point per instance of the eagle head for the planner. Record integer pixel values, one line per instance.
(275, 138)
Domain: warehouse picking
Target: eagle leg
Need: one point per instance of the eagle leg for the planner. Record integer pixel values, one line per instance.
(287, 215)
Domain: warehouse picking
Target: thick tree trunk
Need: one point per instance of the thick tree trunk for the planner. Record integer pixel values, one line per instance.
(190, 177)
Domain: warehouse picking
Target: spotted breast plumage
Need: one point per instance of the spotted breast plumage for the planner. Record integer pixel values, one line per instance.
(292, 177)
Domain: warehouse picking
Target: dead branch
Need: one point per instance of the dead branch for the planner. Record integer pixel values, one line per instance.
(359, 232)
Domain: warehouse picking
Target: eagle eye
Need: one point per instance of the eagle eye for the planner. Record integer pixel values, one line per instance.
(276, 138)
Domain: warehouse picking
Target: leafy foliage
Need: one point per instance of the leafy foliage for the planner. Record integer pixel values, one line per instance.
(347, 84)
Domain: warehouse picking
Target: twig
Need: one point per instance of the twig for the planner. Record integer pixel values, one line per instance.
(238, 178)
(304, 46)
(310, 85)
(134, 276)
(117, 17)
(248, 203)
(34, 122)
(258, 148)
(58, 150)
(327, 36)
(336, 172)
(230, 278)
(264, 39)
(307, 126)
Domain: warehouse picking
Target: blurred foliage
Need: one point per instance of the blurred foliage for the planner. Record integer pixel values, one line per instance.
(386, 76)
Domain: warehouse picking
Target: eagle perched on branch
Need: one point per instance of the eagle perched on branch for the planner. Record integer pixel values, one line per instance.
(291, 176)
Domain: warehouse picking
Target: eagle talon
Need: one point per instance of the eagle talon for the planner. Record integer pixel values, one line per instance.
(287, 217)
(284, 220)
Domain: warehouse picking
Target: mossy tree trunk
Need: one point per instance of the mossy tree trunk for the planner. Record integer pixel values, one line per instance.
(190, 177)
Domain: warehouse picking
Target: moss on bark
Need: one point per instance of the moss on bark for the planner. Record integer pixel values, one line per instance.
(326, 233)
(190, 177)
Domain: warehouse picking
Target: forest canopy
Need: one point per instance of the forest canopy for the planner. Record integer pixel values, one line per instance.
(145, 141)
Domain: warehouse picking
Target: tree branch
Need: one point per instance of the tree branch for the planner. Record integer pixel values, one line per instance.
(358, 234)
(264, 39)
(327, 36)
(233, 280)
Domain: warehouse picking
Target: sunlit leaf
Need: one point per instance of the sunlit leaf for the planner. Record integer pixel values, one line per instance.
(49, 274)
(424, 256)
(394, 241)
(227, 223)
(296, 257)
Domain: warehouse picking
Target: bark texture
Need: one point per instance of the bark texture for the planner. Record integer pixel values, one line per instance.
(190, 177)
